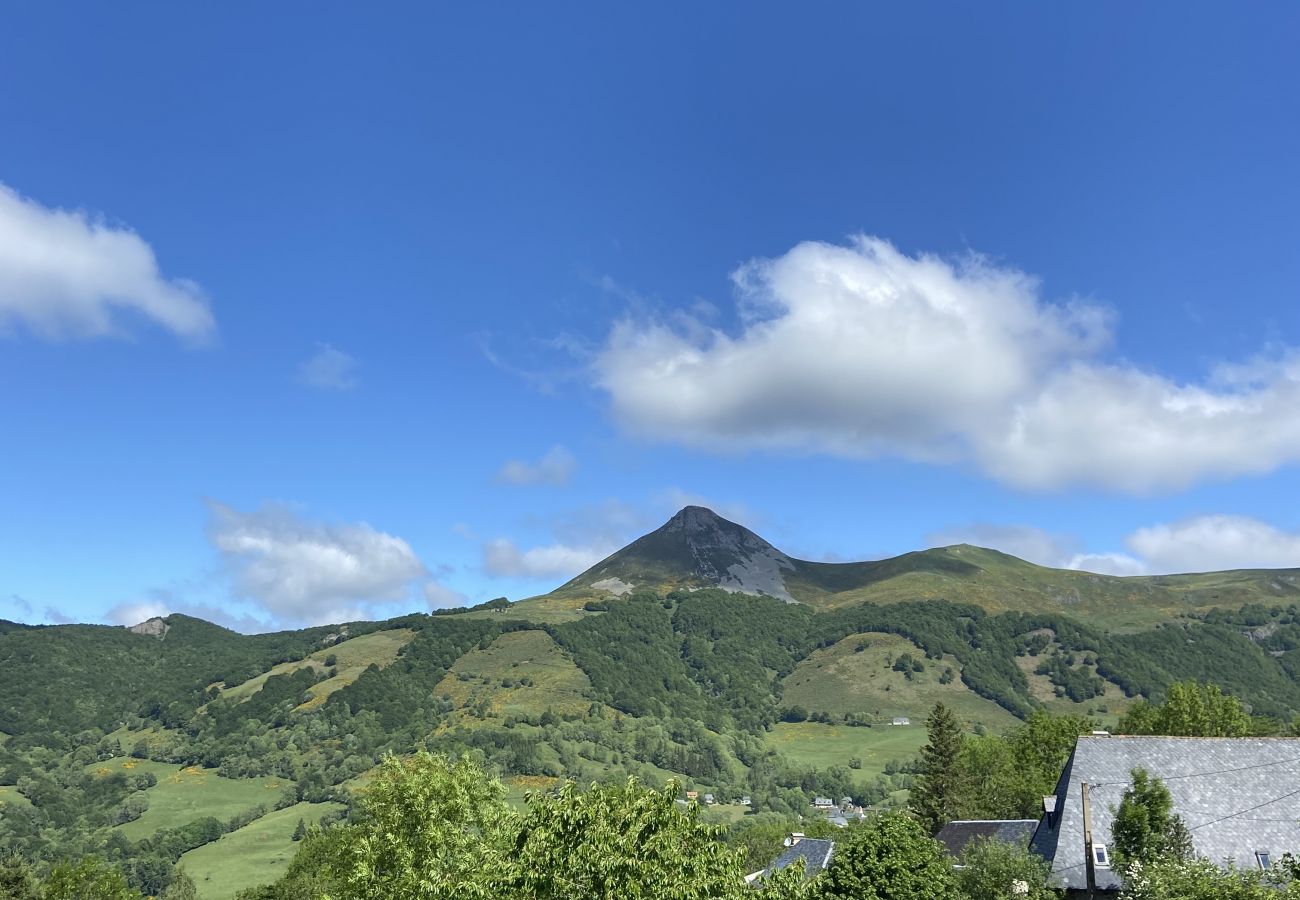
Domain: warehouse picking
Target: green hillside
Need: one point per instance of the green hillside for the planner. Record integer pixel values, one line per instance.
(193, 742)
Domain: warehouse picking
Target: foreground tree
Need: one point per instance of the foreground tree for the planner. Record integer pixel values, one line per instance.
(432, 829)
(1146, 828)
(17, 880)
(89, 879)
(889, 858)
(626, 841)
(1190, 710)
(990, 868)
(1200, 879)
(937, 794)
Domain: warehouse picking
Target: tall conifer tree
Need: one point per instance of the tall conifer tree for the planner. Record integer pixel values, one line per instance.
(938, 787)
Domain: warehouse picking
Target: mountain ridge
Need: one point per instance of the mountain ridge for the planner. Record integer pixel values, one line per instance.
(698, 548)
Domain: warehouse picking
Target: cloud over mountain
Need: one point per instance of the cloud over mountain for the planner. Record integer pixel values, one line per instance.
(864, 351)
(65, 274)
(306, 572)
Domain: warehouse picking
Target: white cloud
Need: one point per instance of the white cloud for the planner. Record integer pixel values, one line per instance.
(503, 557)
(439, 596)
(555, 468)
(1215, 542)
(304, 572)
(64, 274)
(1057, 551)
(136, 612)
(863, 351)
(329, 369)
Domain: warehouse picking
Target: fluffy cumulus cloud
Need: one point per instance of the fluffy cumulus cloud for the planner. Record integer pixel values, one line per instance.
(304, 572)
(503, 557)
(1199, 544)
(329, 369)
(66, 274)
(135, 612)
(1207, 543)
(555, 468)
(580, 538)
(864, 351)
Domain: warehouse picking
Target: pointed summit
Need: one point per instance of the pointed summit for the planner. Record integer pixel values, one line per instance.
(695, 548)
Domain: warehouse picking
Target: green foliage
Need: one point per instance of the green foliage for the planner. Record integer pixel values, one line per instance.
(888, 858)
(937, 794)
(990, 867)
(1200, 879)
(431, 829)
(1006, 776)
(1190, 709)
(89, 879)
(620, 841)
(17, 880)
(1145, 828)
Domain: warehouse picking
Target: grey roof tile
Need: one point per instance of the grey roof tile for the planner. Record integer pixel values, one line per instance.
(1237, 796)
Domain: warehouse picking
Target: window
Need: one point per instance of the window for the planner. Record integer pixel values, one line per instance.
(1100, 858)
(1264, 858)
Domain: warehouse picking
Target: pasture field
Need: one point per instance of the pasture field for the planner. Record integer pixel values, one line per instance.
(186, 793)
(9, 796)
(856, 675)
(256, 854)
(352, 657)
(815, 744)
(520, 673)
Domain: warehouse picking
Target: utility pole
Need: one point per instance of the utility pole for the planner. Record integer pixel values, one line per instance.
(1089, 859)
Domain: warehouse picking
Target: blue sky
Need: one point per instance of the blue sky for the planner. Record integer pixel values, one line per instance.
(320, 310)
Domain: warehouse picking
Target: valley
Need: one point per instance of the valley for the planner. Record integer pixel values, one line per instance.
(778, 681)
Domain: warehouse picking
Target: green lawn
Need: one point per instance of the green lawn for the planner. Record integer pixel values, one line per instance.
(256, 854)
(814, 744)
(186, 793)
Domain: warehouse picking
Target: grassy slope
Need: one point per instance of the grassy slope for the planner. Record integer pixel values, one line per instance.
(840, 680)
(814, 744)
(1000, 582)
(353, 657)
(256, 854)
(186, 793)
(557, 682)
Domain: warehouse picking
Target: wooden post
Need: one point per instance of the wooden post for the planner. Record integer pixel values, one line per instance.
(1090, 860)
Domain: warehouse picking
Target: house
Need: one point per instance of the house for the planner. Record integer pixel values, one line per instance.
(956, 835)
(692, 795)
(744, 801)
(1236, 796)
(847, 804)
(708, 799)
(902, 720)
(813, 853)
(823, 803)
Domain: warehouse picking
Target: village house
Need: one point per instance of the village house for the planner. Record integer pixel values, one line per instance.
(902, 720)
(813, 853)
(955, 836)
(823, 803)
(1237, 797)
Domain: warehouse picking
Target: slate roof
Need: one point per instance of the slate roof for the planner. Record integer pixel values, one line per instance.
(956, 835)
(1237, 796)
(814, 852)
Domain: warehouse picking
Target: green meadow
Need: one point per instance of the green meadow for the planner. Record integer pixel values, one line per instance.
(186, 793)
(815, 744)
(256, 854)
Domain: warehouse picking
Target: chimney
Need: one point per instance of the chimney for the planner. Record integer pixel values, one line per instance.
(1049, 810)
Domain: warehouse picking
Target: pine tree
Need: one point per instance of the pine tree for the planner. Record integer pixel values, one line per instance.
(938, 785)
(301, 831)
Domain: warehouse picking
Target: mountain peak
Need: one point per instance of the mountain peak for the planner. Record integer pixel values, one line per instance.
(697, 547)
(697, 518)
